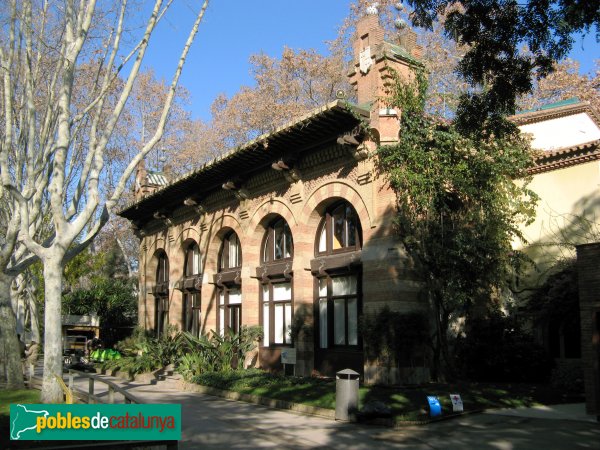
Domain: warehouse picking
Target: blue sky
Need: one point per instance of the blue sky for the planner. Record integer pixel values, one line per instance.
(232, 30)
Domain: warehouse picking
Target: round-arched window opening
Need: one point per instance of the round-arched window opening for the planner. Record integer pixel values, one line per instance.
(161, 294)
(193, 260)
(278, 242)
(230, 256)
(339, 230)
(229, 294)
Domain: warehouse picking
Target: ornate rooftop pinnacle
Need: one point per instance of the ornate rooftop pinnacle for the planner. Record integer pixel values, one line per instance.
(372, 9)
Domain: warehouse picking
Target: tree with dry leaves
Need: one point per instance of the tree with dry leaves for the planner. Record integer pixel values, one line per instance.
(142, 115)
(302, 80)
(564, 82)
(57, 129)
(286, 87)
(494, 65)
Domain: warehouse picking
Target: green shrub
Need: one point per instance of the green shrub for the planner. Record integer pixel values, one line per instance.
(236, 380)
(143, 364)
(168, 347)
(192, 355)
(496, 348)
(133, 365)
(195, 363)
(216, 353)
(134, 344)
(568, 378)
(144, 353)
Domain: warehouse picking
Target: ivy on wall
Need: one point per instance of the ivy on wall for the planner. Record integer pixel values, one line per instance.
(459, 208)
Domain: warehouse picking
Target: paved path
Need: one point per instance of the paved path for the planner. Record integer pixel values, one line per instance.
(214, 423)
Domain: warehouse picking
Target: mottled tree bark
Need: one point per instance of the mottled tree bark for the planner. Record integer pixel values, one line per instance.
(9, 342)
(51, 391)
(60, 160)
(34, 315)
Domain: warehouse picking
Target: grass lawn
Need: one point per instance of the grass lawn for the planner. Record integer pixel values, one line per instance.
(17, 396)
(405, 403)
(6, 398)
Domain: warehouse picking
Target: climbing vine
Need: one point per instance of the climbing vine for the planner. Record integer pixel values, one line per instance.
(460, 204)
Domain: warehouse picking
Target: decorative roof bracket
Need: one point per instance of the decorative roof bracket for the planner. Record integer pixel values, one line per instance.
(353, 141)
(359, 153)
(195, 204)
(236, 188)
(285, 165)
(162, 215)
(138, 228)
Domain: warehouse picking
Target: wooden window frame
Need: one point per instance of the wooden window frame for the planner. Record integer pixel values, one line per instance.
(330, 300)
(332, 263)
(275, 271)
(271, 303)
(190, 260)
(227, 279)
(228, 309)
(191, 312)
(327, 223)
(191, 300)
(268, 243)
(161, 294)
(224, 255)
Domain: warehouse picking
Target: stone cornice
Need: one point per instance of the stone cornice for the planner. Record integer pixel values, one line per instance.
(566, 157)
(556, 113)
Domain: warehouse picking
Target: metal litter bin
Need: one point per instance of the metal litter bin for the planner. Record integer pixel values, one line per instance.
(346, 394)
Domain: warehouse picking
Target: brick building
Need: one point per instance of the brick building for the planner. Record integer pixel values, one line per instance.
(291, 231)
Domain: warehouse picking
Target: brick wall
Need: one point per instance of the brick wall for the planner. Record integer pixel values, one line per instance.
(328, 175)
(324, 175)
(588, 268)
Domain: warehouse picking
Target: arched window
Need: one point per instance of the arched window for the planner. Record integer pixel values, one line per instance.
(230, 285)
(231, 253)
(339, 230)
(162, 271)
(161, 294)
(191, 307)
(276, 284)
(193, 260)
(278, 243)
(338, 290)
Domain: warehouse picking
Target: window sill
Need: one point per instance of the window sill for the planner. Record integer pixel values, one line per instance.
(190, 283)
(278, 269)
(341, 262)
(228, 277)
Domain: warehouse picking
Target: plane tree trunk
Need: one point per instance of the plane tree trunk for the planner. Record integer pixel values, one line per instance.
(51, 391)
(9, 342)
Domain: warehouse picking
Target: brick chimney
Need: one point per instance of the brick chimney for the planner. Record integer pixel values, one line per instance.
(147, 182)
(141, 181)
(371, 74)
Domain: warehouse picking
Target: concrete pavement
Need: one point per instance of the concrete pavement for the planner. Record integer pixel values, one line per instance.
(214, 423)
(570, 411)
